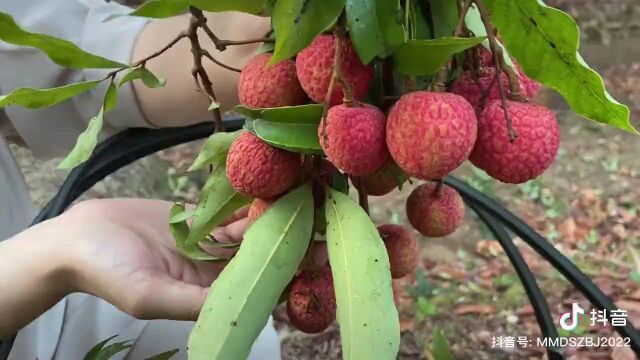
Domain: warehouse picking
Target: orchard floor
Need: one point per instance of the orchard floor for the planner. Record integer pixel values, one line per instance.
(587, 204)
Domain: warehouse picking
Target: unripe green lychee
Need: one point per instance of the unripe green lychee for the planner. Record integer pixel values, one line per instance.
(353, 138)
(314, 66)
(402, 248)
(435, 213)
(265, 86)
(311, 305)
(257, 169)
(384, 180)
(529, 155)
(429, 134)
(258, 207)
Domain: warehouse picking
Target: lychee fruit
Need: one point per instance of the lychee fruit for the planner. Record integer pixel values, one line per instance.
(529, 155)
(434, 212)
(429, 134)
(311, 305)
(384, 180)
(258, 207)
(265, 86)
(353, 138)
(257, 169)
(402, 248)
(314, 66)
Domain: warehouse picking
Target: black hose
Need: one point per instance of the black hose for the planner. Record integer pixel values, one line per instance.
(547, 251)
(528, 280)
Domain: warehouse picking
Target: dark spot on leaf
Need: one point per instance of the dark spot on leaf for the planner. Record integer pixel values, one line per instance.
(303, 9)
(376, 260)
(234, 323)
(365, 324)
(357, 20)
(552, 44)
(533, 22)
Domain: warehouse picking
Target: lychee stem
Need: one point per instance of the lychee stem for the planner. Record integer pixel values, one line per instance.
(363, 198)
(439, 188)
(496, 49)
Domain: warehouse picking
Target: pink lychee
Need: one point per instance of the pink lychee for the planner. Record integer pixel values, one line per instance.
(265, 86)
(529, 155)
(430, 134)
(260, 170)
(402, 248)
(353, 138)
(311, 305)
(314, 66)
(435, 213)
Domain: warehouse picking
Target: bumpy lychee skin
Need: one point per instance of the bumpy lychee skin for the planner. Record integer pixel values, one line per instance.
(257, 169)
(529, 155)
(402, 248)
(258, 207)
(430, 134)
(314, 66)
(264, 86)
(434, 214)
(384, 180)
(311, 305)
(353, 138)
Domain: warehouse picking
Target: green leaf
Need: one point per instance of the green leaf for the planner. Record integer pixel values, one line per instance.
(426, 57)
(247, 6)
(444, 14)
(218, 200)
(300, 114)
(85, 144)
(375, 27)
(300, 138)
(88, 140)
(181, 216)
(545, 42)
(180, 232)
(157, 9)
(297, 22)
(102, 352)
(369, 325)
(61, 52)
(165, 355)
(244, 295)
(419, 26)
(95, 350)
(215, 149)
(441, 348)
(40, 98)
(147, 77)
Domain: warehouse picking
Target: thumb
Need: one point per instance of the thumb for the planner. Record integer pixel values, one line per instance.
(171, 299)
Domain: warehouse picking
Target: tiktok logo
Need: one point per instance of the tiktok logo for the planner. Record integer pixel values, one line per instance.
(569, 321)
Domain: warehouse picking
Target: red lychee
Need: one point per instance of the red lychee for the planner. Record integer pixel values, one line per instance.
(312, 303)
(430, 134)
(402, 248)
(353, 138)
(257, 169)
(264, 86)
(314, 66)
(384, 180)
(435, 213)
(529, 155)
(258, 207)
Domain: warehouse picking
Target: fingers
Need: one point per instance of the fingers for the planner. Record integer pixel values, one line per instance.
(232, 232)
(167, 298)
(238, 215)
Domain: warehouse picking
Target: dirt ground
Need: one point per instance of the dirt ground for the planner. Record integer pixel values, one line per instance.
(587, 204)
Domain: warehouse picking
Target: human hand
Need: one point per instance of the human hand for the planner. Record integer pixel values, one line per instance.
(123, 252)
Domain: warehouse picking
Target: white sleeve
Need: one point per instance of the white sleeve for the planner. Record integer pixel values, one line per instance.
(53, 131)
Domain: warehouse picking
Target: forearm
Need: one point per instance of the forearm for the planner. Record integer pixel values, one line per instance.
(33, 276)
(178, 103)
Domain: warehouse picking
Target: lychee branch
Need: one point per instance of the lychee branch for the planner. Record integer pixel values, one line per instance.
(363, 198)
(220, 44)
(208, 55)
(496, 50)
(200, 76)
